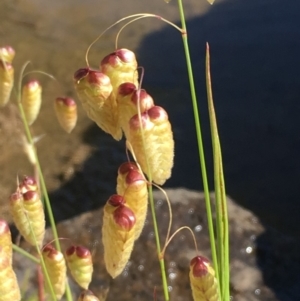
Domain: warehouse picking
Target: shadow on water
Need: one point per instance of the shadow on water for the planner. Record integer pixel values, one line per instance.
(278, 258)
(255, 70)
(93, 183)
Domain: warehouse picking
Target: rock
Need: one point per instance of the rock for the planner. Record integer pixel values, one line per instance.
(264, 264)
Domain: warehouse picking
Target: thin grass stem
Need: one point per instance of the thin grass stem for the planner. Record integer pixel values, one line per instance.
(152, 206)
(199, 138)
(42, 182)
(24, 253)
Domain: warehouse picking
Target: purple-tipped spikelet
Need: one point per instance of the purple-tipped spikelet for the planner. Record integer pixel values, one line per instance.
(95, 92)
(159, 143)
(129, 99)
(9, 288)
(120, 66)
(66, 112)
(28, 215)
(57, 270)
(203, 281)
(32, 100)
(7, 54)
(6, 82)
(87, 296)
(118, 235)
(79, 261)
(92, 86)
(132, 185)
(5, 240)
(28, 183)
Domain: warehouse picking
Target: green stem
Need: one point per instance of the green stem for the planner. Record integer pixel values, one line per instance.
(158, 247)
(42, 181)
(152, 206)
(26, 254)
(199, 139)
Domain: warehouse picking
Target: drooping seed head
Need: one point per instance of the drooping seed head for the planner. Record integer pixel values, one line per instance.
(6, 82)
(126, 89)
(124, 217)
(56, 268)
(28, 183)
(32, 100)
(116, 200)
(4, 228)
(118, 58)
(145, 100)
(87, 296)
(7, 54)
(8, 281)
(199, 265)
(66, 112)
(5, 239)
(92, 86)
(134, 176)
(50, 252)
(30, 195)
(136, 123)
(157, 115)
(67, 101)
(16, 196)
(80, 251)
(126, 167)
(91, 76)
(79, 260)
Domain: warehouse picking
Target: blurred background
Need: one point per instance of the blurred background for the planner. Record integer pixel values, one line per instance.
(255, 60)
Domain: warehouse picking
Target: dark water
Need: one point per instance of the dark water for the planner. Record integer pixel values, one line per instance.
(255, 69)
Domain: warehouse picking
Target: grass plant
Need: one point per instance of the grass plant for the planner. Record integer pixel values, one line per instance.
(150, 144)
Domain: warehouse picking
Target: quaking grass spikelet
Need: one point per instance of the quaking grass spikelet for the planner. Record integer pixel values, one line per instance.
(87, 296)
(7, 54)
(128, 99)
(203, 281)
(95, 93)
(6, 82)
(57, 270)
(9, 288)
(159, 143)
(66, 112)
(32, 100)
(79, 261)
(132, 185)
(27, 184)
(5, 240)
(92, 86)
(121, 67)
(28, 215)
(118, 234)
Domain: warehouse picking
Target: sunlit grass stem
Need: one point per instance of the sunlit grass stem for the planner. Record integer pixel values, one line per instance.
(43, 185)
(153, 213)
(199, 139)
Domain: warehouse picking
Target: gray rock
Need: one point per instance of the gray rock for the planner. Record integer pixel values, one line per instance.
(264, 264)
